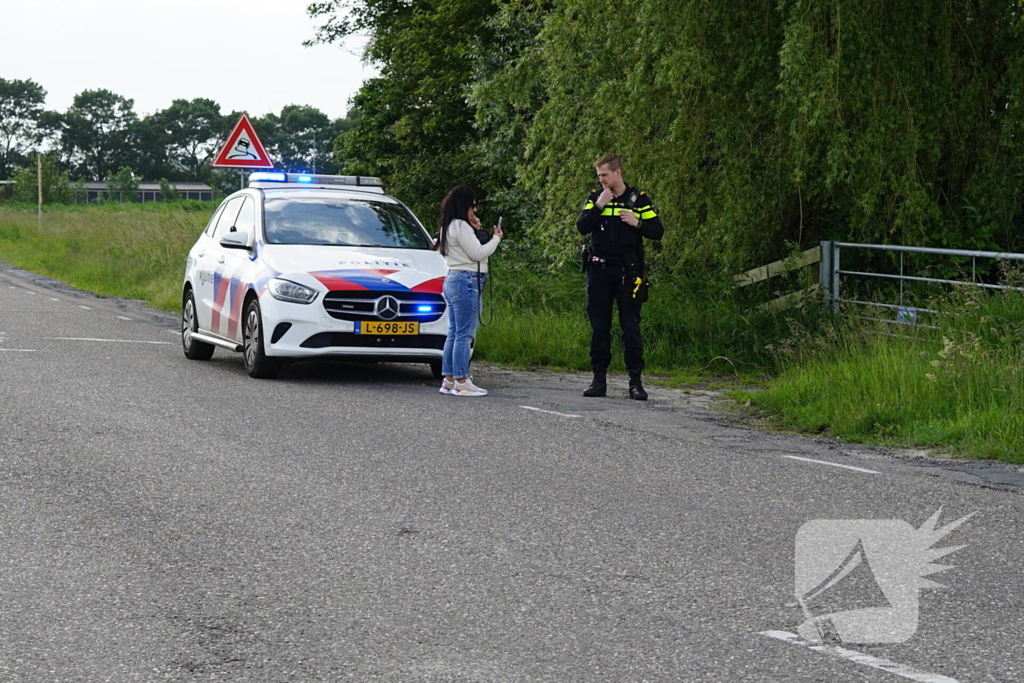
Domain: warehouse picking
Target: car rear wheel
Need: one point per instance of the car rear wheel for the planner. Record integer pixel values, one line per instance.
(193, 348)
(435, 369)
(257, 364)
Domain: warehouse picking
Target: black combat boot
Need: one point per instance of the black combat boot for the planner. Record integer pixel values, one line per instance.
(599, 386)
(636, 389)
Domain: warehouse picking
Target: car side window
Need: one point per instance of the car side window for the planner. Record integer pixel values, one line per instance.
(213, 221)
(246, 221)
(227, 217)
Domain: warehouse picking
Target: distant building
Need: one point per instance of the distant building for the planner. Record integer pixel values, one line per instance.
(147, 192)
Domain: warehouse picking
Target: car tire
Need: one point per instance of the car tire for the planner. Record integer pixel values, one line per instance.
(257, 363)
(193, 348)
(435, 369)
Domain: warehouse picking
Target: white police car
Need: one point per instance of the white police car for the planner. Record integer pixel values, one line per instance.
(312, 266)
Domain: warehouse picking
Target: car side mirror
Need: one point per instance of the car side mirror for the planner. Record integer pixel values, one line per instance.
(235, 240)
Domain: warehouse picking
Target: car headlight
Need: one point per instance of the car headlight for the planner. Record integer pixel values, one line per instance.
(285, 290)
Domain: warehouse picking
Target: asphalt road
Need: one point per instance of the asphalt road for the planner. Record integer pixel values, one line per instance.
(162, 519)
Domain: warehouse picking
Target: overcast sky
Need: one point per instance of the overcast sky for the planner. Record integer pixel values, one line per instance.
(246, 55)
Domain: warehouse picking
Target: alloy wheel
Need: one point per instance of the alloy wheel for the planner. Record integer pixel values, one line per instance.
(188, 318)
(252, 337)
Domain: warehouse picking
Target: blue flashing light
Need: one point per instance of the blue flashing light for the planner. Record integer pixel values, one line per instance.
(424, 309)
(267, 176)
(304, 179)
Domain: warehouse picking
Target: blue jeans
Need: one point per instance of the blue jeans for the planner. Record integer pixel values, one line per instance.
(462, 291)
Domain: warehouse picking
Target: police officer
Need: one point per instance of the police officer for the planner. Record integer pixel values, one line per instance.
(617, 218)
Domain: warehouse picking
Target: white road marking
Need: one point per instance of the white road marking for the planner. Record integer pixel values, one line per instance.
(549, 412)
(833, 464)
(85, 307)
(117, 341)
(54, 299)
(121, 317)
(28, 350)
(867, 660)
(29, 291)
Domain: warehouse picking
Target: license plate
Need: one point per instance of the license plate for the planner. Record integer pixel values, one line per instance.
(386, 328)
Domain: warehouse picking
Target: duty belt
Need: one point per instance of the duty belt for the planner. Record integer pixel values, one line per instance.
(612, 261)
(606, 261)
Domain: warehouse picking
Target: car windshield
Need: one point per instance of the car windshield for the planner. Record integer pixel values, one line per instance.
(341, 222)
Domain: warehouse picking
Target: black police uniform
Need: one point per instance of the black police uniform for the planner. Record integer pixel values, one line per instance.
(614, 263)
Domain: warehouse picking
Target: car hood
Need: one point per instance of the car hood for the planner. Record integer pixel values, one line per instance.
(355, 268)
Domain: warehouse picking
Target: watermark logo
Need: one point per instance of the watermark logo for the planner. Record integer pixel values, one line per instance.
(858, 580)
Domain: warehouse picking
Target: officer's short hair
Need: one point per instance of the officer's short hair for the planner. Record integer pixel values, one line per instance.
(612, 161)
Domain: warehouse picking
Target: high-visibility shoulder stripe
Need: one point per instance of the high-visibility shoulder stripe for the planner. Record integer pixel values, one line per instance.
(648, 214)
(588, 206)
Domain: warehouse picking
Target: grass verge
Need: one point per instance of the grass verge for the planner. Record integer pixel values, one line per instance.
(959, 389)
(136, 251)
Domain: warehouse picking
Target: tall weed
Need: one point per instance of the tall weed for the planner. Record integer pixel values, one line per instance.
(960, 387)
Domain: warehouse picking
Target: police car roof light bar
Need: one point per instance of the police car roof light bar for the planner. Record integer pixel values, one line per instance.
(268, 176)
(314, 180)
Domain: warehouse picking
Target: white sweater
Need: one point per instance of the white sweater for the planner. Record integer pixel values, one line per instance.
(465, 250)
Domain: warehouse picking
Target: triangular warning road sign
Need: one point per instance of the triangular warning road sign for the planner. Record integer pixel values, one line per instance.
(243, 148)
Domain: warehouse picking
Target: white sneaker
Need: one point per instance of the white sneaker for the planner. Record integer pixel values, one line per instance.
(446, 386)
(467, 388)
(469, 380)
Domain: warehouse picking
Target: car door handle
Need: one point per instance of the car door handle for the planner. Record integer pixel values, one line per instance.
(201, 254)
(220, 259)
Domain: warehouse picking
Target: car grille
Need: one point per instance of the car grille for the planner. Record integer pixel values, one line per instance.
(323, 340)
(360, 305)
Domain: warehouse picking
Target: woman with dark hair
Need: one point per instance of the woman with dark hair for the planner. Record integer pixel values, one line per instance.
(466, 257)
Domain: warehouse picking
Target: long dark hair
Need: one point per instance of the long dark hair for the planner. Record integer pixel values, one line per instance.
(455, 206)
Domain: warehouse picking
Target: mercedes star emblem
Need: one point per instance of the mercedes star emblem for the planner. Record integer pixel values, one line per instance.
(386, 308)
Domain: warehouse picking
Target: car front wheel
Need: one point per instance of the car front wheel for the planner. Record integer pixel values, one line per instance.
(257, 364)
(193, 348)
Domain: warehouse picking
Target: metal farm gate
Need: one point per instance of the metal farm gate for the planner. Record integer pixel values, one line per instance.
(825, 276)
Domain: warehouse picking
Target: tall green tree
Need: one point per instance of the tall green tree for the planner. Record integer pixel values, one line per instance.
(903, 122)
(758, 125)
(21, 109)
(415, 127)
(98, 137)
(300, 138)
(191, 132)
(506, 93)
(150, 151)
